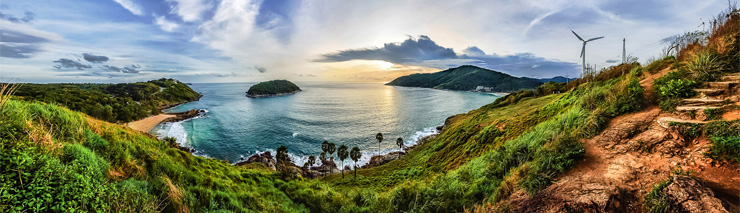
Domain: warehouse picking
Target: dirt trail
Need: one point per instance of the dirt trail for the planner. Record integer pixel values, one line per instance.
(626, 160)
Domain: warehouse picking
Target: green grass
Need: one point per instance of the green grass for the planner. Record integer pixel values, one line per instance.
(725, 137)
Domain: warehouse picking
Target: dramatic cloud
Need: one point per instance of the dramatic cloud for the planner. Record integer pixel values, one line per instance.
(94, 58)
(411, 50)
(425, 52)
(27, 17)
(127, 69)
(130, 6)
(69, 63)
(611, 61)
(260, 69)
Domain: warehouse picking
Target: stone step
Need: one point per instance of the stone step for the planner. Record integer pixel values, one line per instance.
(666, 121)
(721, 84)
(731, 78)
(733, 74)
(703, 100)
(690, 108)
(710, 92)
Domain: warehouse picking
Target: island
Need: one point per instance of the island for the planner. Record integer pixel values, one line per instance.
(467, 78)
(272, 88)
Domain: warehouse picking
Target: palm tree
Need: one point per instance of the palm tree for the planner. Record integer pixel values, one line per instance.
(342, 153)
(322, 157)
(311, 160)
(355, 154)
(331, 149)
(399, 142)
(282, 157)
(379, 137)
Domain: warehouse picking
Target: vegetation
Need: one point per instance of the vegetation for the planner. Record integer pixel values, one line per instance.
(725, 137)
(379, 137)
(355, 155)
(274, 87)
(466, 78)
(342, 153)
(112, 102)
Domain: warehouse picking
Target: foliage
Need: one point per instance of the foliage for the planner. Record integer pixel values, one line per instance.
(273, 87)
(672, 87)
(512, 98)
(725, 137)
(688, 130)
(657, 201)
(659, 65)
(713, 114)
(677, 88)
(550, 88)
(466, 78)
(112, 102)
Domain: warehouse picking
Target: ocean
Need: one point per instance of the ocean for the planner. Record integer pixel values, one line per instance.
(236, 127)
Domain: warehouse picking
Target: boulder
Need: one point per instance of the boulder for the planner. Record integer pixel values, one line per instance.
(265, 157)
(689, 195)
(378, 160)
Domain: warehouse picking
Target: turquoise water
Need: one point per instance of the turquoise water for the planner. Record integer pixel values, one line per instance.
(344, 113)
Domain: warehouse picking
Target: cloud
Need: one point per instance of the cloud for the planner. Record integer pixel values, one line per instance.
(127, 69)
(69, 63)
(166, 25)
(190, 10)
(260, 69)
(410, 50)
(27, 17)
(611, 61)
(130, 6)
(94, 58)
(425, 52)
(15, 44)
(473, 51)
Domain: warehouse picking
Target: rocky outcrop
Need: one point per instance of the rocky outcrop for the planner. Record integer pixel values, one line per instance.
(265, 158)
(686, 194)
(181, 116)
(378, 160)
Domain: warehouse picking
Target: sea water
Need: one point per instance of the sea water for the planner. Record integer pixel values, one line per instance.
(235, 127)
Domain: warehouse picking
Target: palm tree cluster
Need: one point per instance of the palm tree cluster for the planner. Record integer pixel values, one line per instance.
(327, 154)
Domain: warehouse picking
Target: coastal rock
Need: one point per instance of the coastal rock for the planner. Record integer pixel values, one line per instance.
(265, 158)
(181, 116)
(378, 160)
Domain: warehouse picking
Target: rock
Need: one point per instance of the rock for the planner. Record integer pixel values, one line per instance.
(378, 160)
(688, 195)
(265, 157)
(181, 116)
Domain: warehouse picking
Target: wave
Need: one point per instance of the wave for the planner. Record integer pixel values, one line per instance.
(366, 155)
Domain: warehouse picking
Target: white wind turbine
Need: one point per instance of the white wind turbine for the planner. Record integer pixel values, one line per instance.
(583, 50)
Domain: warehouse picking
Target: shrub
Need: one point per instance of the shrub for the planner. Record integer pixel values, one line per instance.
(677, 88)
(713, 114)
(725, 148)
(657, 201)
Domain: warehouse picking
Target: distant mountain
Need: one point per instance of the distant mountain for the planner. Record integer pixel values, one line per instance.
(272, 88)
(556, 79)
(467, 77)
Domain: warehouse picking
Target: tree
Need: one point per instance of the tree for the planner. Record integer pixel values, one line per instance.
(322, 157)
(399, 142)
(379, 137)
(342, 153)
(282, 157)
(355, 154)
(311, 160)
(331, 149)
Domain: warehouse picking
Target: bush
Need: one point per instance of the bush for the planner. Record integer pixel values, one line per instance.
(713, 114)
(657, 201)
(677, 88)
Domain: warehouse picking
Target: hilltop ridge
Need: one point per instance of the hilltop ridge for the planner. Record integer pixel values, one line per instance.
(466, 77)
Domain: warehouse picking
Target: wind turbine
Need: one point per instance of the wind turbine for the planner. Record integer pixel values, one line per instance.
(583, 50)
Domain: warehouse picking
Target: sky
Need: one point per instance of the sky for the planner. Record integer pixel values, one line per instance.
(44, 41)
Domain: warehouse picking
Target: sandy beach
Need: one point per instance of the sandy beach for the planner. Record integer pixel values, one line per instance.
(148, 123)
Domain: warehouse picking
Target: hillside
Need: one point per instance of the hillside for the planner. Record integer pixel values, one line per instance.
(272, 88)
(112, 102)
(466, 78)
(660, 137)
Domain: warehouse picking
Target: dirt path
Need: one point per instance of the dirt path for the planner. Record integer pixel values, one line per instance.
(146, 124)
(626, 160)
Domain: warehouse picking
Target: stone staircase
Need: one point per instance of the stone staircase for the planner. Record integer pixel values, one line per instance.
(714, 95)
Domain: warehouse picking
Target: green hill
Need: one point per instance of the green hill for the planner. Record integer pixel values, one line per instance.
(112, 102)
(272, 88)
(466, 78)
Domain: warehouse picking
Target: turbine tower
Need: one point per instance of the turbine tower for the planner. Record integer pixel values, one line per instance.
(583, 50)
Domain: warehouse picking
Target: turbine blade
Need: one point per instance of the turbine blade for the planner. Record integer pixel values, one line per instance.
(583, 51)
(597, 38)
(574, 33)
